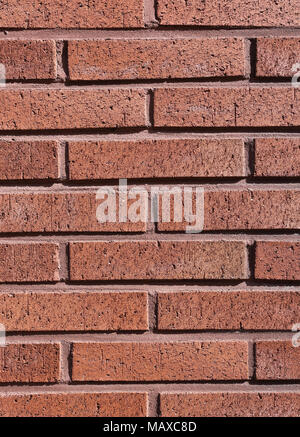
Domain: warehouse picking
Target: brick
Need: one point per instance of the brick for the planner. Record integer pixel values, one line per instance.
(244, 209)
(29, 262)
(28, 59)
(124, 260)
(278, 260)
(230, 404)
(277, 157)
(156, 159)
(58, 212)
(73, 311)
(228, 310)
(176, 361)
(131, 59)
(277, 360)
(229, 13)
(256, 106)
(39, 109)
(71, 14)
(29, 363)
(117, 404)
(275, 57)
(28, 160)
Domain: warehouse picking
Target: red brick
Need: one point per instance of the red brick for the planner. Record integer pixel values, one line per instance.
(245, 209)
(28, 160)
(71, 14)
(29, 363)
(278, 260)
(176, 361)
(117, 404)
(256, 106)
(228, 310)
(230, 404)
(57, 212)
(277, 157)
(122, 260)
(156, 158)
(39, 109)
(277, 360)
(29, 262)
(73, 311)
(33, 59)
(156, 58)
(276, 56)
(229, 13)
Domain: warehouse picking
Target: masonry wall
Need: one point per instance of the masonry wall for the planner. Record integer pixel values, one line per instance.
(137, 319)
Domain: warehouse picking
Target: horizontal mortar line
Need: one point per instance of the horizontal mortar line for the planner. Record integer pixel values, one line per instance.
(211, 184)
(85, 86)
(63, 287)
(144, 134)
(235, 183)
(164, 32)
(148, 337)
(163, 132)
(107, 237)
(148, 387)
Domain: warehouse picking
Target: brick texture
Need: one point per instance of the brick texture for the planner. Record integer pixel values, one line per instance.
(74, 311)
(276, 157)
(227, 107)
(276, 57)
(171, 260)
(230, 404)
(36, 109)
(277, 260)
(156, 159)
(107, 307)
(228, 310)
(160, 361)
(232, 13)
(29, 363)
(154, 58)
(29, 160)
(28, 59)
(117, 404)
(276, 360)
(74, 14)
(29, 262)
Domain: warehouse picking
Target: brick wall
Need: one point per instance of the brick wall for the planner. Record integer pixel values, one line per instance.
(134, 318)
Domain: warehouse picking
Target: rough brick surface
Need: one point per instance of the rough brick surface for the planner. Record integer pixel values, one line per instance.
(254, 106)
(156, 159)
(28, 59)
(74, 311)
(28, 160)
(28, 14)
(121, 260)
(277, 260)
(277, 157)
(277, 360)
(184, 361)
(30, 363)
(29, 262)
(276, 57)
(233, 13)
(230, 404)
(118, 404)
(229, 210)
(228, 310)
(57, 212)
(156, 58)
(36, 109)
